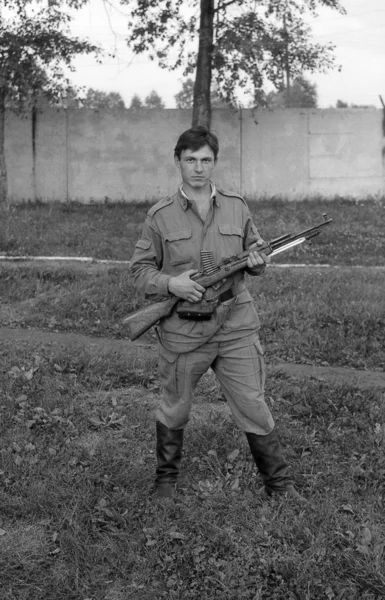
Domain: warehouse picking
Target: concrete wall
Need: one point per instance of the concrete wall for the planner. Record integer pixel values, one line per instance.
(125, 155)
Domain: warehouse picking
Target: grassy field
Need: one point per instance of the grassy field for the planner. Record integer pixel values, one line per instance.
(77, 428)
(319, 316)
(357, 235)
(77, 463)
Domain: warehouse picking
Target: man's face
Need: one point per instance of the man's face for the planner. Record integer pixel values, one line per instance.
(196, 166)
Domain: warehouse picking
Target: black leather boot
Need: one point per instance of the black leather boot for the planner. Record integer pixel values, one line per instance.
(169, 455)
(274, 470)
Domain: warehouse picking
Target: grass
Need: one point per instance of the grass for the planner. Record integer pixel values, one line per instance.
(357, 235)
(317, 316)
(77, 520)
(77, 465)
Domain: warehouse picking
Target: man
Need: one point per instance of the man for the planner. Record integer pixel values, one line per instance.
(199, 220)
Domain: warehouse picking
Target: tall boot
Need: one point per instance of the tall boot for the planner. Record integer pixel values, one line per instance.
(169, 455)
(274, 470)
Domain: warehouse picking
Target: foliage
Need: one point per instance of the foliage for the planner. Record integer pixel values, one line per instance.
(253, 42)
(185, 97)
(152, 101)
(136, 102)
(93, 99)
(35, 51)
(100, 100)
(301, 94)
(342, 104)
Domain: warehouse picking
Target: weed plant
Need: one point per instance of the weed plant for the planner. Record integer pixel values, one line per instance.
(76, 469)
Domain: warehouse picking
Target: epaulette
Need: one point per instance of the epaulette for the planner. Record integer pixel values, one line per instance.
(231, 195)
(161, 204)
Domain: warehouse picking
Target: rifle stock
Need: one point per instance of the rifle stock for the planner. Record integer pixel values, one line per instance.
(142, 320)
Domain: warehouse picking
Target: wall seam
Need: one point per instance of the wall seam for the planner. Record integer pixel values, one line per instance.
(67, 156)
(34, 133)
(308, 152)
(241, 151)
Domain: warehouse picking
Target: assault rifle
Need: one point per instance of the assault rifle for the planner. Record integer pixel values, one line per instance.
(214, 279)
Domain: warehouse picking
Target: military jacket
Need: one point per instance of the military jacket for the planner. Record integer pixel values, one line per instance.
(172, 238)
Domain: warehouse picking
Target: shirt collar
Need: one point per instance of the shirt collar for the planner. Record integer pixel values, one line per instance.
(186, 202)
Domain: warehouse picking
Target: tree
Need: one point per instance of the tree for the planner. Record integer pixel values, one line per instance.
(35, 51)
(136, 102)
(185, 97)
(153, 100)
(301, 94)
(342, 104)
(243, 44)
(99, 100)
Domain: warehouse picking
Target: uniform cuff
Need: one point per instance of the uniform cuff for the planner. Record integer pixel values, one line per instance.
(162, 285)
(158, 286)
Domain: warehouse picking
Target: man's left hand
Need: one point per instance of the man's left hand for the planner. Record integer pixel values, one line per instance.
(257, 259)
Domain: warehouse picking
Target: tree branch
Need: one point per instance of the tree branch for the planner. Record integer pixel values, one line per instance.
(220, 6)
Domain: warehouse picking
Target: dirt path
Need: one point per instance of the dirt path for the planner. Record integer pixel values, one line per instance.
(341, 375)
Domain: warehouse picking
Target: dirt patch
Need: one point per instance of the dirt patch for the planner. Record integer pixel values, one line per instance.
(140, 354)
(137, 355)
(336, 375)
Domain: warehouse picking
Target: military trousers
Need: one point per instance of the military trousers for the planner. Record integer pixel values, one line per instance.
(240, 369)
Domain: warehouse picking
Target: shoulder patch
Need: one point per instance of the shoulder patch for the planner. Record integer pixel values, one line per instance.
(159, 205)
(231, 195)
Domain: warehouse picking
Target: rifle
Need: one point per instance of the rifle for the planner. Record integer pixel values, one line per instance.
(212, 278)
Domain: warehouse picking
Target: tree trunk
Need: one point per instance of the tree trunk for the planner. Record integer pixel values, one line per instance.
(202, 105)
(3, 170)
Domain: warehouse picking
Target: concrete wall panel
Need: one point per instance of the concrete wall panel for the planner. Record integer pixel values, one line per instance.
(274, 153)
(347, 145)
(226, 125)
(126, 155)
(123, 155)
(51, 155)
(18, 157)
(346, 120)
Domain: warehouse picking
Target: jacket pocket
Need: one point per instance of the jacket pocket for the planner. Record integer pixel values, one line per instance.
(231, 239)
(143, 244)
(179, 245)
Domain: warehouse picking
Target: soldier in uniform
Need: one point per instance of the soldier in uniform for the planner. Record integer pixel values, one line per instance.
(201, 218)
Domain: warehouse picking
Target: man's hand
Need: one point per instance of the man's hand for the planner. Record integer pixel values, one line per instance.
(257, 259)
(185, 287)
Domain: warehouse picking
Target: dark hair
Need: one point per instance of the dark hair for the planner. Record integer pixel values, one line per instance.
(194, 139)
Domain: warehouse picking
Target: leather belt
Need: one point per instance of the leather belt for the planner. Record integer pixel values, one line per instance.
(231, 293)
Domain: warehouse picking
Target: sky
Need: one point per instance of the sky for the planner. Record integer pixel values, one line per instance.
(359, 38)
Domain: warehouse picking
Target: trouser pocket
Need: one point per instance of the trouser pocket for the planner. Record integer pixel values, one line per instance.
(167, 371)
